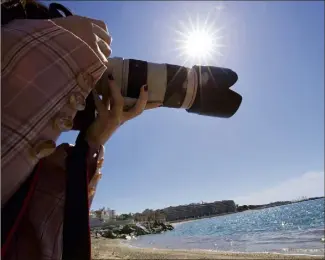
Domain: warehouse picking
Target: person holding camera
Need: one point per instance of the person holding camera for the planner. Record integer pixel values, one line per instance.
(49, 70)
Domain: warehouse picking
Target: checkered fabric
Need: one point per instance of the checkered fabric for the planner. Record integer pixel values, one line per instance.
(42, 65)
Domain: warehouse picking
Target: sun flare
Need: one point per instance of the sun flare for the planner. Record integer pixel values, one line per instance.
(199, 42)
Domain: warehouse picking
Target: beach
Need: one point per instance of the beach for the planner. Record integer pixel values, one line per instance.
(282, 232)
(114, 249)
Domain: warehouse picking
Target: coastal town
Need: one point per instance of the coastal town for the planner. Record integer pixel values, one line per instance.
(180, 213)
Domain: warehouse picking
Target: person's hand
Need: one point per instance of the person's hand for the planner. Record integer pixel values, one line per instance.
(91, 31)
(111, 115)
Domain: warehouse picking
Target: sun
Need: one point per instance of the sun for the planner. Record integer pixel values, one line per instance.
(199, 42)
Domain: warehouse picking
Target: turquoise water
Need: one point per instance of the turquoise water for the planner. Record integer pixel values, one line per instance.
(291, 229)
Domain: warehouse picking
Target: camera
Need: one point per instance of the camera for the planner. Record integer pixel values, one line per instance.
(203, 90)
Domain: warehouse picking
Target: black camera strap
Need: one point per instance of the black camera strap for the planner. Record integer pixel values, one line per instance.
(76, 231)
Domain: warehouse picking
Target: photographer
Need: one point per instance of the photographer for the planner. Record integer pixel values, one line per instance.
(49, 70)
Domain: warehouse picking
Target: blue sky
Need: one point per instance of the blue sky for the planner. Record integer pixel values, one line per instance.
(276, 139)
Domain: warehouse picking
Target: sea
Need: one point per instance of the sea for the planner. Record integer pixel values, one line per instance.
(290, 229)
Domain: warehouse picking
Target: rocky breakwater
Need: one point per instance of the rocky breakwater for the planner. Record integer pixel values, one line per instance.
(131, 230)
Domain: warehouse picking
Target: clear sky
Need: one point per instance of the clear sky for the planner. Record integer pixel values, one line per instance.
(273, 148)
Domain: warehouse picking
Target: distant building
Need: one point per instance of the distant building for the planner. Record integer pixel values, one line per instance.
(113, 212)
(108, 214)
(202, 209)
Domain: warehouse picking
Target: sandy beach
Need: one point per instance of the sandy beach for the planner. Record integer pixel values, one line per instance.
(113, 249)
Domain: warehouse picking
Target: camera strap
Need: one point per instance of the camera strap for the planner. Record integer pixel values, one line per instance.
(76, 230)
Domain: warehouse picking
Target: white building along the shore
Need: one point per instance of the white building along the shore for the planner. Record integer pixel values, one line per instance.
(106, 215)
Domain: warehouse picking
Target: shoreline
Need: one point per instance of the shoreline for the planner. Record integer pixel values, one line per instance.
(103, 249)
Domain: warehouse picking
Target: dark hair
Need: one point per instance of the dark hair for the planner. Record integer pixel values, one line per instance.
(30, 9)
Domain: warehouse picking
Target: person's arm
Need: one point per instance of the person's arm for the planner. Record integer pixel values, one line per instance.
(46, 74)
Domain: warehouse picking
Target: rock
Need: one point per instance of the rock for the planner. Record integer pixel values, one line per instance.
(131, 230)
(123, 236)
(169, 227)
(140, 231)
(109, 234)
(164, 226)
(156, 230)
(127, 229)
(101, 232)
(117, 230)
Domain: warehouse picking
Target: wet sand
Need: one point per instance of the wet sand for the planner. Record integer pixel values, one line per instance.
(103, 249)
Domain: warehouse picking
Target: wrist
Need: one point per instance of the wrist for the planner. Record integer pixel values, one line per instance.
(96, 136)
(95, 141)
